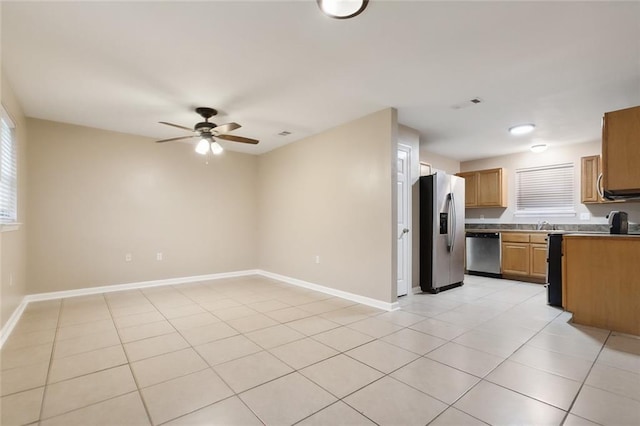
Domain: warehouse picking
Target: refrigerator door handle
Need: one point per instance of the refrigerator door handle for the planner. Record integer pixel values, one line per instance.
(452, 207)
(449, 223)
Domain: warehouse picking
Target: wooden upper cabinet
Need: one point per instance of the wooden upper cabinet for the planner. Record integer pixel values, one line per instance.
(485, 188)
(490, 191)
(589, 172)
(591, 168)
(621, 151)
(470, 189)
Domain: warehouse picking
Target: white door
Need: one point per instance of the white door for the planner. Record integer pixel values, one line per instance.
(404, 238)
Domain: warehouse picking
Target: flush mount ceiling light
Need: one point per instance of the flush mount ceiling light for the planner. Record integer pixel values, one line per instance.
(342, 9)
(522, 129)
(541, 147)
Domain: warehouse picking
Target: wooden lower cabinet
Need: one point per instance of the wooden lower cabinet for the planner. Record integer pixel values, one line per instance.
(600, 284)
(538, 261)
(515, 259)
(524, 256)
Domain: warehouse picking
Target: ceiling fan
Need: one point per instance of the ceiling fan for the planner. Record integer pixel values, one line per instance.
(208, 132)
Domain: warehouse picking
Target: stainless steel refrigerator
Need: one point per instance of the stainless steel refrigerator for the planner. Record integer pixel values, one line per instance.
(441, 232)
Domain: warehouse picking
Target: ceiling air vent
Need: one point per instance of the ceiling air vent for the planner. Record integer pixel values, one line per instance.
(466, 104)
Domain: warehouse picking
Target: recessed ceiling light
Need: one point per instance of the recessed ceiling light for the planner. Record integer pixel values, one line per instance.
(539, 147)
(284, 133)
(521, 129)
(342, 9)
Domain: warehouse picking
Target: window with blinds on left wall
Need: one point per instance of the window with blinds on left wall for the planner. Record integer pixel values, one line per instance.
(8, 171)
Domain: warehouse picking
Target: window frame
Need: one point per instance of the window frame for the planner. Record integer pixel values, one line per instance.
(8, 191)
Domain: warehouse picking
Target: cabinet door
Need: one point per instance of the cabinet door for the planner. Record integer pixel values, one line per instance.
(470, 189)
(621, 151)
(590, 170)
(538, 260)
(515, 259)
(490, 188)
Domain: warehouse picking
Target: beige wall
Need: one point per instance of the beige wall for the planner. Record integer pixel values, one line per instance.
(96, 195)
(332, 195)
(554, 155)
(13, 244)
(438, 162)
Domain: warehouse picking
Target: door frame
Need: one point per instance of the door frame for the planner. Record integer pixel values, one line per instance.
(409, 206)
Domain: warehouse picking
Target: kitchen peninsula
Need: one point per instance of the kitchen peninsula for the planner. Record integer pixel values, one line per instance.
(601, 280)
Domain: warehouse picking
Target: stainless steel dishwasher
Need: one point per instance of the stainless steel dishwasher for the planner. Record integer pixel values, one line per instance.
(484, 254)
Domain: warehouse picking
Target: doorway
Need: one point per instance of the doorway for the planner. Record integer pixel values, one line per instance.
(404, 219)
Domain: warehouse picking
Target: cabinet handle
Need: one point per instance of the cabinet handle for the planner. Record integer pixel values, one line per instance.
(599, 186)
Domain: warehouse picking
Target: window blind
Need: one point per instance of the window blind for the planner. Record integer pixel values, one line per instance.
(545, 190)
(8, 171)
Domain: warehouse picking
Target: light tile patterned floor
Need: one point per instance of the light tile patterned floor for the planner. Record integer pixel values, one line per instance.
(252, 351)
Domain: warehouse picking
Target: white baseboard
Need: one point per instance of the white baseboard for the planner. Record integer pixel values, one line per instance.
(332, 291)
(13, 320)
(132, 286)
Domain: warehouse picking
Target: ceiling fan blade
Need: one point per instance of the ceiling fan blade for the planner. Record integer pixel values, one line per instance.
(177, 139)
(176, 125)
(237, 139)
(224, 128)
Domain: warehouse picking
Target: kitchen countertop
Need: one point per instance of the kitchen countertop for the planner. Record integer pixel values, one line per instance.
(523, 231)
(601, 235)
(554, 231)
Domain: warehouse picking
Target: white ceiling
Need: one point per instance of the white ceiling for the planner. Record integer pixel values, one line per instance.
(274, 66)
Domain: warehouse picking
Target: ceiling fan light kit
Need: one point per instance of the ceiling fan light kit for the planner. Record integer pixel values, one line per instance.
(342, 9)
(216, 148)
(202, 147)
(207, 132)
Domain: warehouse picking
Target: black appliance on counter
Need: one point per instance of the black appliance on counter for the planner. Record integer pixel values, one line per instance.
(554, 269)
(618, 222)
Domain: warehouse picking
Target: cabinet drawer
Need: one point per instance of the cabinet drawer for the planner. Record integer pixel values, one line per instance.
(538, 238)
(514, 237)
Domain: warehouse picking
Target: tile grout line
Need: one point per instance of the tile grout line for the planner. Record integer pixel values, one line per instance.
(135, 379)
(584, 381)
(483, 378)
(53, 350)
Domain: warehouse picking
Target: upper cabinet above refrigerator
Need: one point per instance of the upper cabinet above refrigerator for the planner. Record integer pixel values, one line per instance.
(621, 154)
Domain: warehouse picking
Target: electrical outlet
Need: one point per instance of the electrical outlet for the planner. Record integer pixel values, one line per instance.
(159, 256)
(317, 259)
(128, 257)
(585, 216)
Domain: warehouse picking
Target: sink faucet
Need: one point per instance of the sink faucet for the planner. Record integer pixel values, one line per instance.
(542, 225)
